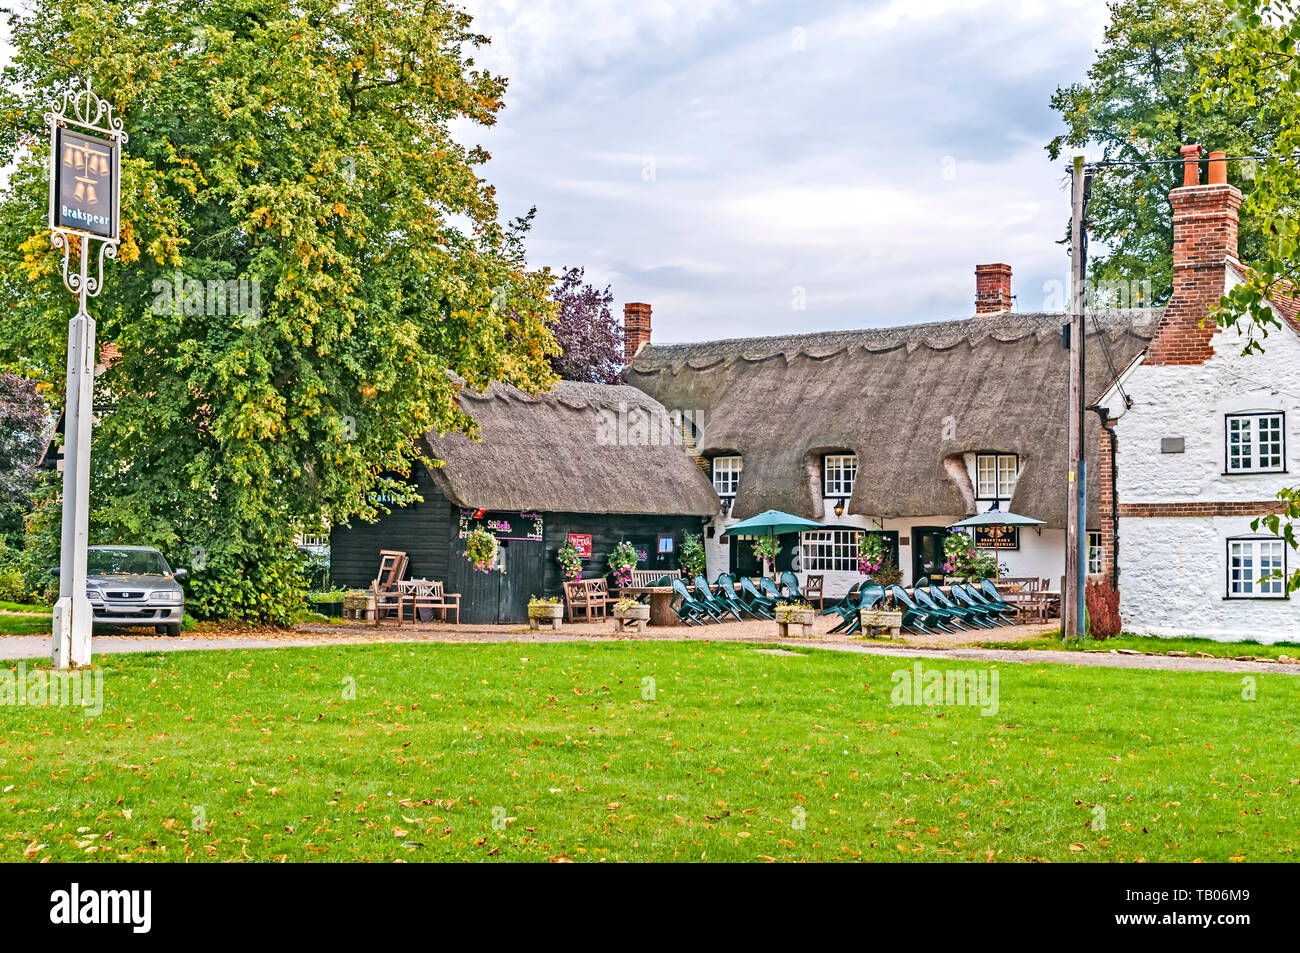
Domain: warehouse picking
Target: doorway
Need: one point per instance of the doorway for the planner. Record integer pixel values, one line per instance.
(927, 551)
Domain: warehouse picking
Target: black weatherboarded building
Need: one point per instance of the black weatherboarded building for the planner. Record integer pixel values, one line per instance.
(588, 460)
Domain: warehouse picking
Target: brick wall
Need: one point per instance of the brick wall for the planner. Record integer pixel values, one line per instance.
(1106, 501)
(1210, 508)
(992, 288)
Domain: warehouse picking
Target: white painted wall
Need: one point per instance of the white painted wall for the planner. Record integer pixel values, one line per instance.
(1173, 569)
(1173, 582)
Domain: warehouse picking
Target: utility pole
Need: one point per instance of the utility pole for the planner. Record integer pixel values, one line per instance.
(1076, 535)
(85, 178)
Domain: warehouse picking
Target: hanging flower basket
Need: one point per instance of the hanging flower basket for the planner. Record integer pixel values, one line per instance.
(621, 563)
(481, 549)
(570, 562)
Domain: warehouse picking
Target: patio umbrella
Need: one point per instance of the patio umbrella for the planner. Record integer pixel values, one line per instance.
(771, 523)
(997, 518)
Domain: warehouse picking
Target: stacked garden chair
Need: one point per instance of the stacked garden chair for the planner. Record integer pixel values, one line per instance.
(692, 611)
(706, 595)
(755, 602)
(726, 591)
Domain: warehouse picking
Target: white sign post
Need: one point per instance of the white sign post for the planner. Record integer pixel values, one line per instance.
(85, 179)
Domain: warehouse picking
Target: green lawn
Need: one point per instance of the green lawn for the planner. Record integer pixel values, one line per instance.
(536, 752)
(1161, 646)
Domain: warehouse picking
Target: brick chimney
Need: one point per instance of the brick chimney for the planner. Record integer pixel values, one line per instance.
(636, 328)
(992, 289)
(1205, 239)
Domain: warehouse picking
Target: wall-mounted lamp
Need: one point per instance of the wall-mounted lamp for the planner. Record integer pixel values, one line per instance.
(839, 508)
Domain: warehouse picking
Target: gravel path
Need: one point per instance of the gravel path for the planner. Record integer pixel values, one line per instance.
(13, 647)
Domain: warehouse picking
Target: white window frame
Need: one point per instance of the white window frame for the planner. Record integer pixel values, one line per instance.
(1248, 559)
(1094, 554)
(839, 473)
(726, 474)
(830, 550)
(1005, 470)
(1246, 428)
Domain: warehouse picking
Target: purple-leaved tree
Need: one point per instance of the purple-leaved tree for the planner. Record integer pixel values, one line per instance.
(591, 341)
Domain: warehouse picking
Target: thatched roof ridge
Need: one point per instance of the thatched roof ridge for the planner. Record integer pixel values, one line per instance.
(908, 400)
(556, 452)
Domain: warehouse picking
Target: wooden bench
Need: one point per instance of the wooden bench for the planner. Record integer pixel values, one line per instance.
(428, 594)
(590, 596)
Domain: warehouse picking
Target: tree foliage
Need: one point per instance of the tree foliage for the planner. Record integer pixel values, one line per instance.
(1260, 66)
(1139, 104)
(590, 339)
(303, 149)
(22, 428)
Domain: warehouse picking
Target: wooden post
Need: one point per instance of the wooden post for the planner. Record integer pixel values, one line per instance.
(1076, 501)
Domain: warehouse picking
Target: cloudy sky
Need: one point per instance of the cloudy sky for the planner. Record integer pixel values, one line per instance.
(727, 160)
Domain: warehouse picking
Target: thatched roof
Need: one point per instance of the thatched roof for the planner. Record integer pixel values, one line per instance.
(908, 400)
(564, 451)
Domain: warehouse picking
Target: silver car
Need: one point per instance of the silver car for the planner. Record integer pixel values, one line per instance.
(133, 585)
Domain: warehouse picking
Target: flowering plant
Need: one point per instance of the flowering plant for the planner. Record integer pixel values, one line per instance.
(693, 557)
(622, 561)
(958, 553)
(481, 549)
(871, 552)
(766, 548)
(570, 561)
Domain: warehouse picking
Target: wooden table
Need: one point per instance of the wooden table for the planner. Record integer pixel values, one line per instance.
(661, 602)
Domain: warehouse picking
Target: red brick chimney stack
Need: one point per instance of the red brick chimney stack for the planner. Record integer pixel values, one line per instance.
(636, 328)
(992, 289)
(1205, 240)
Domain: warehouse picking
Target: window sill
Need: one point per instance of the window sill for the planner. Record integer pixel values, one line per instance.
(1256, 598)
(1253, 472)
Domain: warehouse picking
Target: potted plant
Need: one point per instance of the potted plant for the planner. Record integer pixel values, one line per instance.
(621, 563)
(570, 562)
(481, 549)
(329, 604)
(544, 609)
(693, 558)
(871, 553)
(630, 611)
(766, 549)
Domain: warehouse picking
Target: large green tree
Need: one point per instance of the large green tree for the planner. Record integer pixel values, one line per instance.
(1139, 105)
(1258, 69)
(305, 152)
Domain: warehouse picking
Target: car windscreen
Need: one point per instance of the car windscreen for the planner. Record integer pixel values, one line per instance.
(114, 562)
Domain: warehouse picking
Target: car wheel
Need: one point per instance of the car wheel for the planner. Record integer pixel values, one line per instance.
(160, 630)
(174, 629)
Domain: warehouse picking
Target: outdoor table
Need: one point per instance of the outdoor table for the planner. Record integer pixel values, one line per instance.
(661, 602)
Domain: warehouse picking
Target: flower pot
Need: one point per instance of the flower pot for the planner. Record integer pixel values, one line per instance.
(795, 616)
(873, 619)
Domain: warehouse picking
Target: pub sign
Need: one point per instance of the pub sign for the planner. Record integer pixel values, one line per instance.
(84, 196)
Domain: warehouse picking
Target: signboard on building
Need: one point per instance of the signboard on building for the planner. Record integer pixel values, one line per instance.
(582, 543)
(85, 184)
(997, 537)
(526, 526)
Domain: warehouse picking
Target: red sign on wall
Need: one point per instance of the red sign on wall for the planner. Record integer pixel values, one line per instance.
(582, 543)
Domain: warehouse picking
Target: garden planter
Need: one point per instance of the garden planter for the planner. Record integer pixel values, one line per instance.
(546, 616)
(873, 619)
(331, 610)
(634, 617)
(794, 622)
(361, 606)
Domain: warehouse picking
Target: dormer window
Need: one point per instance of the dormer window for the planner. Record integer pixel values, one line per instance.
(839, 472)
(1255, 443)
(995, 475)
(726, 474)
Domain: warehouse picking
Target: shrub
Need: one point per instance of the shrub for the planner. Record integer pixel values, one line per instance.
(13, 588)
(693, 556)
(1102, 603)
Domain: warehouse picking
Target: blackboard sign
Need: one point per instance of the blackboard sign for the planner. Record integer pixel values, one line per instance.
(527, 526)
(85, 183)
(997, 537)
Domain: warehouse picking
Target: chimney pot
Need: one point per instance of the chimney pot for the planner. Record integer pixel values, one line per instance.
(636, 328)
(1191, 165)
(992, 288)
(1218, 168)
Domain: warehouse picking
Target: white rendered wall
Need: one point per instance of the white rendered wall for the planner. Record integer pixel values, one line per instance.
(1172, 569)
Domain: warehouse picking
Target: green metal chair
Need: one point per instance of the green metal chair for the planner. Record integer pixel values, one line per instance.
(973, 614)
(951, 617)
(850, 599)
(974, 597)
(790, 582)
(726, 591)
(706, 595)
(692, 611)
(754, 600)
(914, 619)
(869, 596)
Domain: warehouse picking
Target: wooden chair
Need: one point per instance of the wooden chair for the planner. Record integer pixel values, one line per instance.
(812, 589)
(588, 596)
(387, 595)
(427, 594)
